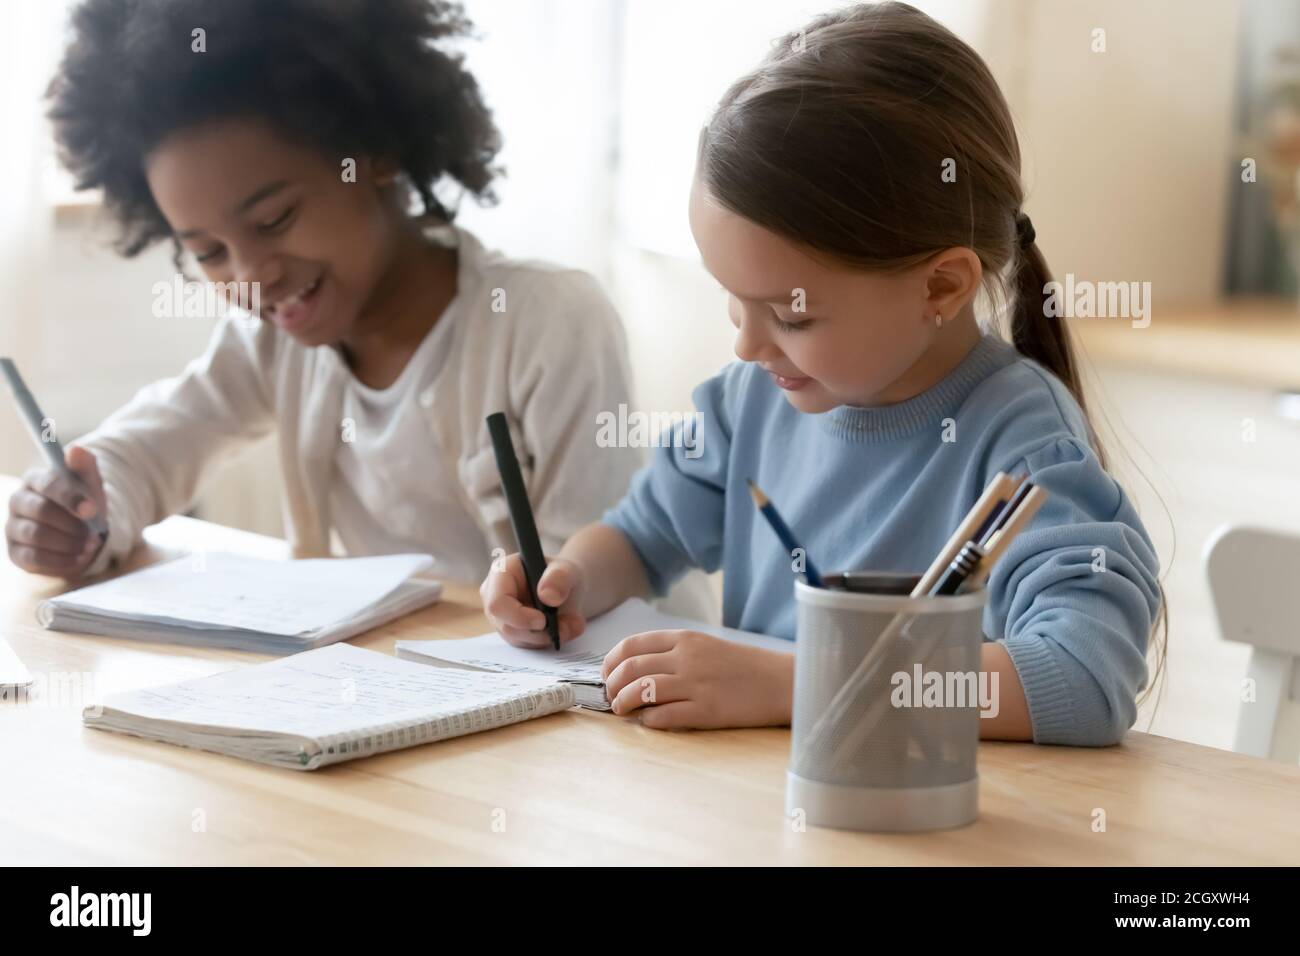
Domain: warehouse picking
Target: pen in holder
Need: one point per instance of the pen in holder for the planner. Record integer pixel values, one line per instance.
(891, 745)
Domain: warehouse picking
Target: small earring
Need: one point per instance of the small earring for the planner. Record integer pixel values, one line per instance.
(938, 319)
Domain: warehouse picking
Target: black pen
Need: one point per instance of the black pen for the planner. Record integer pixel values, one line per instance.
(973, 561)
(521, 518)
(962, 567)
(972, 552)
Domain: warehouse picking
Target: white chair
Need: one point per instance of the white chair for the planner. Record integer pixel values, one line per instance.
(1254, 577)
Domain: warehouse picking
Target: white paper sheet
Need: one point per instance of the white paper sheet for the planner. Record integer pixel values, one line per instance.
(581, 660)
(333, 690)
(218, 590)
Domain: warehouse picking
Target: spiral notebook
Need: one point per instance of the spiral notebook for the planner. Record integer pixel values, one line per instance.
(325, 706)
(251, 604)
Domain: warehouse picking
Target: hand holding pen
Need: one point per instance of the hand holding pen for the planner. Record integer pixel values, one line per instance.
(58, 518)
(531, 562)
(508, 604)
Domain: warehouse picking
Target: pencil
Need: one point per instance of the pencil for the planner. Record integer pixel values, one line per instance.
(783, 532)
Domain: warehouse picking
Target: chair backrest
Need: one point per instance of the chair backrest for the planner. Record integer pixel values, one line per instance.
(1254, 578)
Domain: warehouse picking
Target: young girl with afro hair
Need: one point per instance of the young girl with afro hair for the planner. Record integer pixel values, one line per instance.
(310, 146)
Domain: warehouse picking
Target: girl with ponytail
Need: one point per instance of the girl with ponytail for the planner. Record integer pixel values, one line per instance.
(854, 195)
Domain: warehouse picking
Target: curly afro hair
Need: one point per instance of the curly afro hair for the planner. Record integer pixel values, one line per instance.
(350, 77)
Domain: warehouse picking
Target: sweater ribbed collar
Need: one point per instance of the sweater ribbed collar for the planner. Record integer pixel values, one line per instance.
(889, 422)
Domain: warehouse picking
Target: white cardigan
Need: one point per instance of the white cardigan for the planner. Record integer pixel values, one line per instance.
(552, 361)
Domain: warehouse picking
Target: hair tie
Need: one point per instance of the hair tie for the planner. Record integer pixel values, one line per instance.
(1025, 234)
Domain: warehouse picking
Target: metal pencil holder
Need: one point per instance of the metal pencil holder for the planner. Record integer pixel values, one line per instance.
(887, 698)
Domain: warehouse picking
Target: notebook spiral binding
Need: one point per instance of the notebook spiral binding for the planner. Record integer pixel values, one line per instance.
(397, 735)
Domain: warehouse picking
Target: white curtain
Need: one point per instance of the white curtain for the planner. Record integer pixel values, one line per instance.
(29, 42)
(548, 70)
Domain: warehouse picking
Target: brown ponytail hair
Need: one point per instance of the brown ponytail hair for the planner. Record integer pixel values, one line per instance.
(844, 140)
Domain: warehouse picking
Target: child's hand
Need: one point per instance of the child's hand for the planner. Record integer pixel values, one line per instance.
(685, 679)
(47, 531)
(505, 601)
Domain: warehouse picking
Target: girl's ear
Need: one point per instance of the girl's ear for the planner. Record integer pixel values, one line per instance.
(952, 278)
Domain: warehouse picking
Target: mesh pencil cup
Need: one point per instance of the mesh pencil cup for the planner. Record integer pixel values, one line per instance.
(885, 726)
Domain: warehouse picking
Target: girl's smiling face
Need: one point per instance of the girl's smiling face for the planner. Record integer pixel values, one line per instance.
(861, 338)
(251, 206)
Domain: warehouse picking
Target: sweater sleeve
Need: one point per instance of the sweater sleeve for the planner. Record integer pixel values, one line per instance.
(674, 513)
(1074, 598)
(153, 452)
(569, 370)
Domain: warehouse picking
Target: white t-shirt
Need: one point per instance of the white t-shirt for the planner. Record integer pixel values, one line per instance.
(395, 492)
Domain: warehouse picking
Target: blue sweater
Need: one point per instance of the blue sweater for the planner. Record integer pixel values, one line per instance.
(881, 489)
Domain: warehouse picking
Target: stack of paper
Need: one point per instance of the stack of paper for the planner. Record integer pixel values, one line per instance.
(225, 600)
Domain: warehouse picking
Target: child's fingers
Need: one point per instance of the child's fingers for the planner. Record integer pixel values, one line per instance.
(503, 592)
(571, 626)
(24, 531)
(649, 692)
(55, 565)
(522, 637)
(63, 488)
(508, 605)
(557, 583)
(678, 715)
(635, 669)
(25, 503)
(647, 642)
(505, 610)
(83, 464)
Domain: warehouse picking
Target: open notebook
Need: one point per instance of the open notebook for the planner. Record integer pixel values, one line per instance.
(577, 662)
(226, 600)
(325, 706)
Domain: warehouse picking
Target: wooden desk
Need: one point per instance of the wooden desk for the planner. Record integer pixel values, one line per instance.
(577, 787)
